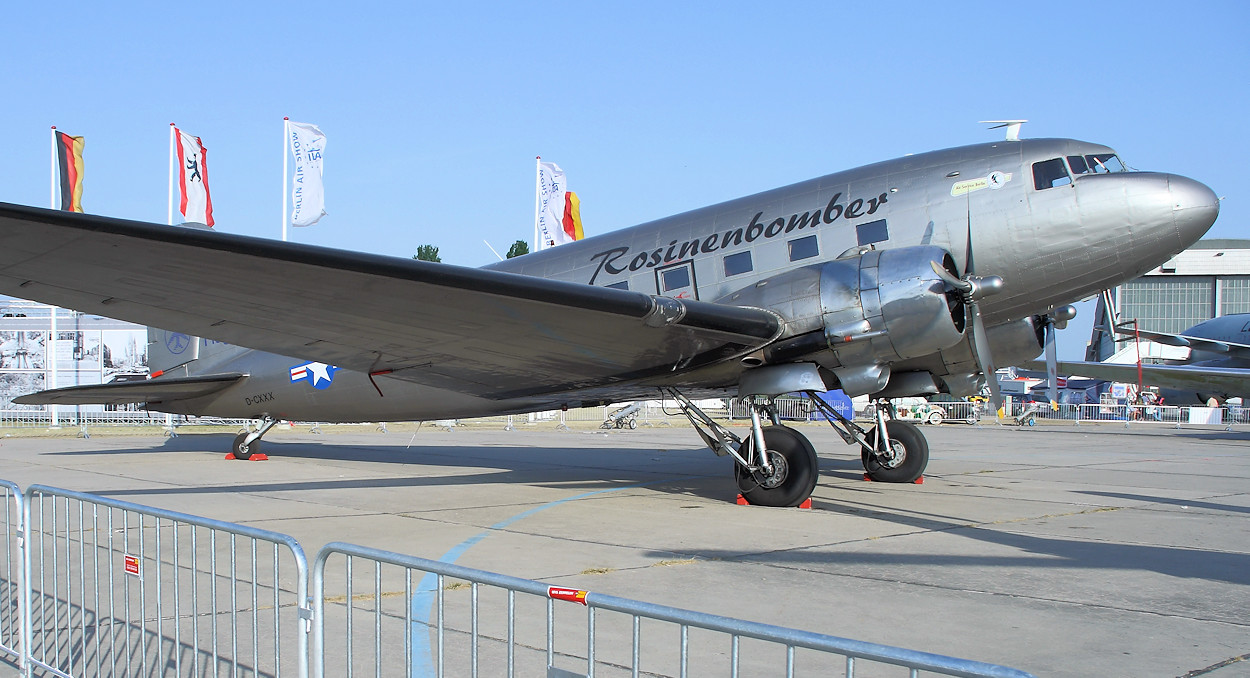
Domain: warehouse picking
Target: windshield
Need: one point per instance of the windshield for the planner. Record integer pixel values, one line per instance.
(1096, 163)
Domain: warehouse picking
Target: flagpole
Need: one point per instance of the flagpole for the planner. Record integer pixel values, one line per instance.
(52, 183)
(169, 213)
(286, 159)
(50, 363)
(538, 189)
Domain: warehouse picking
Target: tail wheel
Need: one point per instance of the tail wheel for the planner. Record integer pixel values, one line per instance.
(906, 460)
(795, 470)
(242, 450)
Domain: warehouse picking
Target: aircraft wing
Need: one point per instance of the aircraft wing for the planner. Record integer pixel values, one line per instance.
(1231, 348)
(482, 332)
(149, 391)
(1228, 381)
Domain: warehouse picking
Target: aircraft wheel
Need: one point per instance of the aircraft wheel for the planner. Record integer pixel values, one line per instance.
(909, 455)
(244, 452)
(795, 470)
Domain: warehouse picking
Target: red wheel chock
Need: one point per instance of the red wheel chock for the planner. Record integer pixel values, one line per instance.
(917, 481)
(742, 501)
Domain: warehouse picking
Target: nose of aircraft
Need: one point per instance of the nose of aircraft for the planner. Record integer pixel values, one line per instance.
(1194, 206)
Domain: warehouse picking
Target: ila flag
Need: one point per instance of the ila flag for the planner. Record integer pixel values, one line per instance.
(196, 205)
(307, 145)
(559, 214)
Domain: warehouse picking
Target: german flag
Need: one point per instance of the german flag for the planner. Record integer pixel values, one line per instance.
(69, 154)
(572, 221)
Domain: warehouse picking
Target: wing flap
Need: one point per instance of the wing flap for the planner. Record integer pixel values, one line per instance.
(149, 391)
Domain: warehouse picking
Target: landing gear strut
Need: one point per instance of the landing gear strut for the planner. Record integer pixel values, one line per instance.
(774, 466)
(247, 444)
(777, 466)
(893, 453)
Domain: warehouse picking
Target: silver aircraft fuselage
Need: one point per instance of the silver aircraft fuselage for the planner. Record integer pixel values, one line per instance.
(1045, 215)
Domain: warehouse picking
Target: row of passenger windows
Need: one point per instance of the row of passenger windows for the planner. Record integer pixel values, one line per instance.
(1055, 172)
(734, 264)
(738, 263)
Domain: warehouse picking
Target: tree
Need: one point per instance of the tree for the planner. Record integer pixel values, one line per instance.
(427, 253)
(518, 248)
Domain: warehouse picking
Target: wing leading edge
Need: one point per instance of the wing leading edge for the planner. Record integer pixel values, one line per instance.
(486, 333)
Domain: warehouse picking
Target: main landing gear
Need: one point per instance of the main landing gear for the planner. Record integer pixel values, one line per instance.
(786, 471)
(247, 444)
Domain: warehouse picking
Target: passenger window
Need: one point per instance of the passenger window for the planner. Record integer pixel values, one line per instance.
(737, 264)
(622, 285)
(1050, 173)
(804, 248)
(676, 279)
(871, 232)
(1077, 164)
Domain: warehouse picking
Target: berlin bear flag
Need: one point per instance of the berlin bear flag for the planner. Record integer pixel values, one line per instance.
(196, 205)
(307, 145)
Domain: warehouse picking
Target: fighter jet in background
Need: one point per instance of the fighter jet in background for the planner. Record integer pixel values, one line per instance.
(908, 277)
(1217, 367)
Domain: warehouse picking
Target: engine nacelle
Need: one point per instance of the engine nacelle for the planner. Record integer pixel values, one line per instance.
(858, 314)
(890, 304)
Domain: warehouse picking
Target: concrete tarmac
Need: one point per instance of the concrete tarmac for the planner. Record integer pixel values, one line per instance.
(1061, 550)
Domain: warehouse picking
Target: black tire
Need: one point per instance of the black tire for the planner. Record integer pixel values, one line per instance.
(244, 452)
(912, 455)
(633, 424)
(794, 460)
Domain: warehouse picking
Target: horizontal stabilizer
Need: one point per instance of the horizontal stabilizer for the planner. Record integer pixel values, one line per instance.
(149, 391)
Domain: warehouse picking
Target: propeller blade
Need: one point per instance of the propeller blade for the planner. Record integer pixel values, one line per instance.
(949, 278)
(981, 349)
(1052, 369)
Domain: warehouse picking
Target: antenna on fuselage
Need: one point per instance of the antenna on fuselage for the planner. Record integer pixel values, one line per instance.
(1013, 127)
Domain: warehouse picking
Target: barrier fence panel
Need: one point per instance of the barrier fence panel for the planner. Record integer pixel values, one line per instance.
(368, 605)
(12, 591)
(124, 589)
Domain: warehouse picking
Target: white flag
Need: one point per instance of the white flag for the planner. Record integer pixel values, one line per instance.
(307, 195)
(196, 205)
(551, 190)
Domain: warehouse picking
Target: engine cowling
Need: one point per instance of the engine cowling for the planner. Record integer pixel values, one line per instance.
(862, 312)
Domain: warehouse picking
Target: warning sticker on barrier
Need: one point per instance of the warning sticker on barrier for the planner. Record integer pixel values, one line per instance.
(132, 565)
(571, 595)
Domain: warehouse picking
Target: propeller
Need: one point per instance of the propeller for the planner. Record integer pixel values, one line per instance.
(1056, 318)
(1052, 368)
(973, 288)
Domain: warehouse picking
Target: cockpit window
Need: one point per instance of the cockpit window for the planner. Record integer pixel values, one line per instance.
(1095, 163)
(1050, 173)
(1103, 163)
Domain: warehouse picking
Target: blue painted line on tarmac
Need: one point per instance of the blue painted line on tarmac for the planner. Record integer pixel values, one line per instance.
(427, 590)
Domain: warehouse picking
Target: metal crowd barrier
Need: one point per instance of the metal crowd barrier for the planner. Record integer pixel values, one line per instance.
(13, 598)
(122, 589)
(453, 619)
(1132, 415)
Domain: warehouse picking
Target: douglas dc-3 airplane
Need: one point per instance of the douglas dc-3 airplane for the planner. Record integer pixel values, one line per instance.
(1218, 365)
(863, 280)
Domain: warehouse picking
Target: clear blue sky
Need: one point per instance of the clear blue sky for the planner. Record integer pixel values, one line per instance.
(434, 112)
